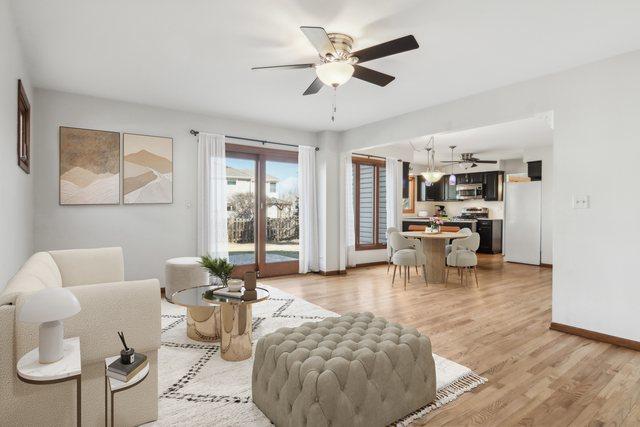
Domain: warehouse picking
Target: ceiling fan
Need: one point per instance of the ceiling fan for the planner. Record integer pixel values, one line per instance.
(338, 64)
(468, 160)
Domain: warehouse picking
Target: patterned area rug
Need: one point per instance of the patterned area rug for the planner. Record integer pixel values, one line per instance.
(198, 388)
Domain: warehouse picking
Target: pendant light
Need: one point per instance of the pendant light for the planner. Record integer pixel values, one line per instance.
(452, 177)
(432, 174)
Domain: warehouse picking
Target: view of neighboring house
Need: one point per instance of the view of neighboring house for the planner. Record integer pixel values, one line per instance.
(242, 181)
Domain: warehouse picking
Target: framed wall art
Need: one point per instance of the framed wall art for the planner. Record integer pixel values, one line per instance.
(89, 167)
(24, 130)
(147, 169)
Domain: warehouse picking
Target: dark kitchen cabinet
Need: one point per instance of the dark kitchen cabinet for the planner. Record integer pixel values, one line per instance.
(448, 191)
(476, 178)
(490, 231)
(493, 186)
(534, 170)
(429, 192)
(405, 180)
(462, 178)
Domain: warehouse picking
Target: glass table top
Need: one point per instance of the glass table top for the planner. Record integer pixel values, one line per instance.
(193, 297)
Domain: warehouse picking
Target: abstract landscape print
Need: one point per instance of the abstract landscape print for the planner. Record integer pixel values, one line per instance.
(89, 167)
(148, 169)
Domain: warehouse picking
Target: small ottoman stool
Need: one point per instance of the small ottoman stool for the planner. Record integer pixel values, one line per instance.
(183, 273)
(353, 370)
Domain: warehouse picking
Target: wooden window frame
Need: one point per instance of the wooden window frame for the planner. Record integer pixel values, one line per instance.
(376, 222)
(24, 138)
(412, 196)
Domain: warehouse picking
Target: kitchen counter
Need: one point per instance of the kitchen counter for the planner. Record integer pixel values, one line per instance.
(421, 219)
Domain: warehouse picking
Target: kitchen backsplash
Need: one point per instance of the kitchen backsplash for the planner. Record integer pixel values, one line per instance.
(496, 209)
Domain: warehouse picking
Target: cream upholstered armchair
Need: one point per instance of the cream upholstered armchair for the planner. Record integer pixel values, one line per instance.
(108, 304)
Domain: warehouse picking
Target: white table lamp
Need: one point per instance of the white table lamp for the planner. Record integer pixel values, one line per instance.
(48, 307)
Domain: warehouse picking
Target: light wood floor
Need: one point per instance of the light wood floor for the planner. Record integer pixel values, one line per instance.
(501, 330)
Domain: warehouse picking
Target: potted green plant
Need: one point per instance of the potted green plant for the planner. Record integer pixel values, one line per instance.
(218, 267)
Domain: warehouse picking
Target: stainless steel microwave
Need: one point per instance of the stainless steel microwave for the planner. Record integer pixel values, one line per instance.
(468, 191)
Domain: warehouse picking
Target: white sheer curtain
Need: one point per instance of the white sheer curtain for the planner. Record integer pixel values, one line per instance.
(212, 196)
(308, 209)
(394, 193)
(350, 228)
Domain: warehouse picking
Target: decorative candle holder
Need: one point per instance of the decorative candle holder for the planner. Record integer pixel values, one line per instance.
(127, 356)
(250, 281)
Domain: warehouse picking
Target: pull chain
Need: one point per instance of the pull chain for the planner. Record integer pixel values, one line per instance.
(334, 106)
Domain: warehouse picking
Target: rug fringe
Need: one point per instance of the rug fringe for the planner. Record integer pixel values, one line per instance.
(447, 394)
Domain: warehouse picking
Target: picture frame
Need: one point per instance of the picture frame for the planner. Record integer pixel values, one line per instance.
(89, 166)
(147, 165)
(24, 130)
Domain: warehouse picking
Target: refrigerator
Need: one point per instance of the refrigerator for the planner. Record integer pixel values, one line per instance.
(523, 216)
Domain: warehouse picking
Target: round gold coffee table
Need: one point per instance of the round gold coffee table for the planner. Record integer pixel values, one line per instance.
(232, 323)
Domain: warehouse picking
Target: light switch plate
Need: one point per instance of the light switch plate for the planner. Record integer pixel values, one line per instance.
(581, 201)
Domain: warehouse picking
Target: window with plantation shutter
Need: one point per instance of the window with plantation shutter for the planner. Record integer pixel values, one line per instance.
(369, 190)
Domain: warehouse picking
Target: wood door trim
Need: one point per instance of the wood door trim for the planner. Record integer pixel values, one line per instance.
(271, 152)
(596, 336)
(262, 156)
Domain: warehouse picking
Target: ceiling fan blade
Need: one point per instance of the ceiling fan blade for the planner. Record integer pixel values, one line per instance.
(451, 161)
(285, 67)
(493, 162)
(381, 50)
(314, 87)
(372, 76)
(320, 40)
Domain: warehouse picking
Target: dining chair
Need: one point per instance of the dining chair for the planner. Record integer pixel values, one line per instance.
(463, 257)
(464, 231)
(407, 253)
(389, 248)
(416, 227)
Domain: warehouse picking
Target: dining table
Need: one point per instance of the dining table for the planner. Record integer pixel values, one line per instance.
(433, 245)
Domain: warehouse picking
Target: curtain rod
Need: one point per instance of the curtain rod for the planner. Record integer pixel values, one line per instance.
(196, 132)
(371, 155)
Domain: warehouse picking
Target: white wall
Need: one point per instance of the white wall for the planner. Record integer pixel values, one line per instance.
(149, 234)
(596, 109)
(16, 187)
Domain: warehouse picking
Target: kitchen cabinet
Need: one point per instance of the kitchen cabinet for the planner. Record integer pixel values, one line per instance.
(405, 180)
(429, 192)
(534, 170)
(442, 191)
(493, 186)
(449, 191)
(476, 178)
(490, 231)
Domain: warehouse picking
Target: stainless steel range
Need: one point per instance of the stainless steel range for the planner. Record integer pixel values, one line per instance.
(473, 213)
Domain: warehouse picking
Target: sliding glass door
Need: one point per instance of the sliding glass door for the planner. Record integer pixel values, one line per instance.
(262, 206)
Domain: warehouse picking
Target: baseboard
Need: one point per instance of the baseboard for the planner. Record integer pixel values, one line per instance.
(596, 336)
(332, 272)
(545, 265)
(371, 264)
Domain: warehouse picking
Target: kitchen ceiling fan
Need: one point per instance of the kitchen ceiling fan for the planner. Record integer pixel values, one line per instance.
(468, 160)
(338, 63)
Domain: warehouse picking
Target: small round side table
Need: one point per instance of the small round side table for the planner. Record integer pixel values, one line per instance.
(69, 368)
(115, 386)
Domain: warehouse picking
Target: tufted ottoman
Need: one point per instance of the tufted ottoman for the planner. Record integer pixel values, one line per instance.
(353, 370)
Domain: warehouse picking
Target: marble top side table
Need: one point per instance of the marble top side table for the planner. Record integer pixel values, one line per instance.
(31, 371)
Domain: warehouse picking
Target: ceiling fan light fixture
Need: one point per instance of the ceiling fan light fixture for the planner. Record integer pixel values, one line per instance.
(335, 73)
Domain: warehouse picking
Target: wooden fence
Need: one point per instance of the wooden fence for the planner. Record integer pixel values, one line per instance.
(278, 229)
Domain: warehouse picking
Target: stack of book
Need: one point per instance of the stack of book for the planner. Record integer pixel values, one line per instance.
(123, 372)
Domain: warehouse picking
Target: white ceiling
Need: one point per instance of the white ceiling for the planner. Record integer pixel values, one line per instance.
(501, 141)
(196, 55)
